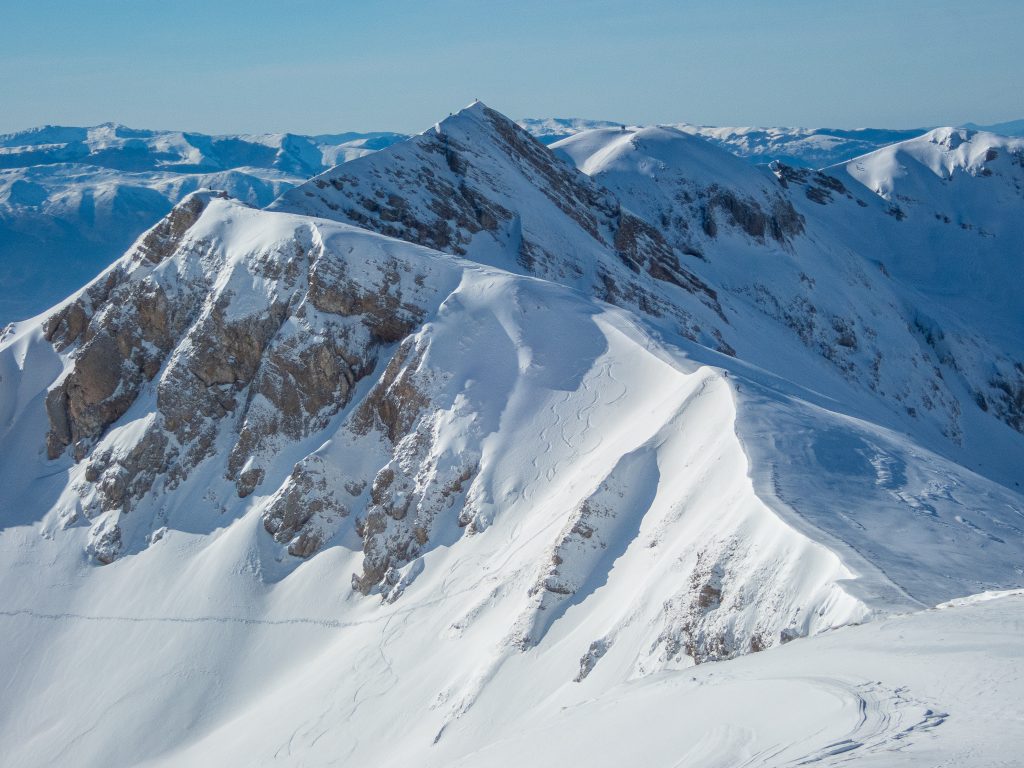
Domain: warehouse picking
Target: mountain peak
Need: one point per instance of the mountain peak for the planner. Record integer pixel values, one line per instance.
(482, 187)
(475, 110)
(943, 151)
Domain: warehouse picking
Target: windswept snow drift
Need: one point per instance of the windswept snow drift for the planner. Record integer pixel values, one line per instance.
(462, 455)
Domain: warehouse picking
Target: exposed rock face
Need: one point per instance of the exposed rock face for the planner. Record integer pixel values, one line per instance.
(580, 533)
(202, 387)
(269, 371)
(819, 187)
(396, 401)
(163, 239)
(781, 222)
(408, 494)
(1006, 396)
(589, 660)
(306, 509)
(124, 476)
(106, 544)
(642, 247)
(299, 387)
(694, 627)
(125, 327)
(387, 318)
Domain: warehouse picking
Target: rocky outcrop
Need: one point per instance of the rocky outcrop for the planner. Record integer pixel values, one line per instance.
(163, 239)
(397, 521)
(819, 187)
(697, 624)
(1006, 395)
(125, 325)
(381, 308)
(121, 346)
(397, 401)
(201, 388)
(642, 247)
(303, 380)
(268, 369)
(594, 535)
(780, 222)
(306, 510)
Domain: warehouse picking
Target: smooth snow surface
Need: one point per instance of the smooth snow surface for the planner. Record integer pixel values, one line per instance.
(298, 688)
(929, 689)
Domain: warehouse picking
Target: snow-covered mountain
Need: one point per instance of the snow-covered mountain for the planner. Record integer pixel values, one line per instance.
(956, 194)
(548, 130)
(467, 451)
(801, 147)
(73, 199)
(121, 148)
(901, 288)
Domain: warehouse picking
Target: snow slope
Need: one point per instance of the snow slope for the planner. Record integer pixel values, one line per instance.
(459, 454)
(863, 282)
(849, 697)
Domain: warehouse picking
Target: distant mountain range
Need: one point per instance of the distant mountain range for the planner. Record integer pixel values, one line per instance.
(802, 147)
(71, 199)
(1009, 128)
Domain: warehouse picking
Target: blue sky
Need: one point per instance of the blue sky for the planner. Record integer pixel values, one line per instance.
(316, 67)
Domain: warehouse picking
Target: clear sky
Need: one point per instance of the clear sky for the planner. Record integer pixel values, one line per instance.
(316, 67)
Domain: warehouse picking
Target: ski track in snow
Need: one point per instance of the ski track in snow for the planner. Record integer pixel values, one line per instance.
(886, 719)
(325, 623)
